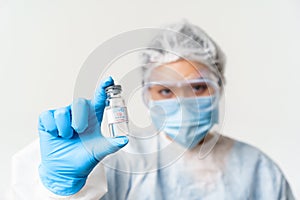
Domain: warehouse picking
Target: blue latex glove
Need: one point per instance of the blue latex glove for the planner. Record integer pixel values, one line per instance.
(71, 143)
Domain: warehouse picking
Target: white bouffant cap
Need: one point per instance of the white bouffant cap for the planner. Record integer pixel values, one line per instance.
(183, 40)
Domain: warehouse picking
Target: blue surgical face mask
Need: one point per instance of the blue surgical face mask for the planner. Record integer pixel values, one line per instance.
(185, 120)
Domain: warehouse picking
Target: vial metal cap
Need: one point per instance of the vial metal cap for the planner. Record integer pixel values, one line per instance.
(114, 89)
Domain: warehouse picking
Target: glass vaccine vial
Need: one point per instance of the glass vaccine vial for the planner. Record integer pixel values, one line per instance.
(116, 111)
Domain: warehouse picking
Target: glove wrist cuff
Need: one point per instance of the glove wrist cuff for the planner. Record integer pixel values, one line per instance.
(59, 184)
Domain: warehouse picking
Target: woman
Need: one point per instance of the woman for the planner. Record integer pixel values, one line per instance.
(183, 81)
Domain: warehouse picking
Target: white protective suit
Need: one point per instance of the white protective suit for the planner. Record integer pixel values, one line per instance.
(232, 170)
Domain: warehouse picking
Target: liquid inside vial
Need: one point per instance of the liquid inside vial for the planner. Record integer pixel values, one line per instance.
(118, 129)
(117, 121)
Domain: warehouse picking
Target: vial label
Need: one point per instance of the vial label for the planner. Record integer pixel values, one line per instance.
(117, 115)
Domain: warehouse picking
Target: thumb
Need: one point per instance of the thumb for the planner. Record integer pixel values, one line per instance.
(100, 96)
(112, 145)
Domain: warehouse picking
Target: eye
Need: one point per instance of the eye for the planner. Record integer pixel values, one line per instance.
(199, 88)
(166, 93)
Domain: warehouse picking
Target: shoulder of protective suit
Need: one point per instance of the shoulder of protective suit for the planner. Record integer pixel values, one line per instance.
(262, 176)
(245, 150)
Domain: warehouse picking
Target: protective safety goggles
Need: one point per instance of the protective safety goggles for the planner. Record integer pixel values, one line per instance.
(162, 90)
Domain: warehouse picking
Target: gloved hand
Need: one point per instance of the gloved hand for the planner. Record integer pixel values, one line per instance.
(71, 143)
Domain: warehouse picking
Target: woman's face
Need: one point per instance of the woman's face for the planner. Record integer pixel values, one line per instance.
(179, 79)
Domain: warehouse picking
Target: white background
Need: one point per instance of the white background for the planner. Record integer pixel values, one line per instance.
(44, 43)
